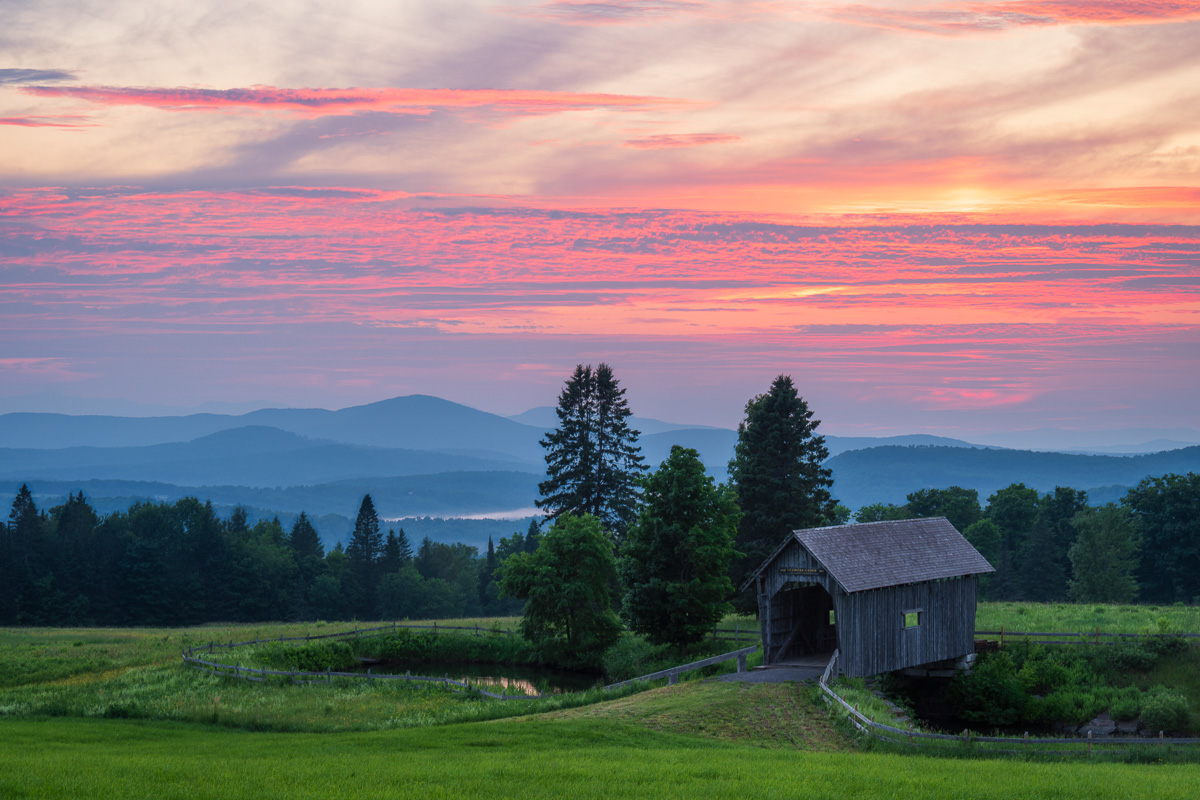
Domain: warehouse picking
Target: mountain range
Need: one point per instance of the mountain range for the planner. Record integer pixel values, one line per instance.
(422, 456)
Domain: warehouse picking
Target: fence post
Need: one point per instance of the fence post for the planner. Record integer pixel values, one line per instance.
(742, 662)
(476, 630)
(737, 633)
(237, 669)
(672, 678)
(328, 676)
(435, 627)
(1089, 742)
(966, 737)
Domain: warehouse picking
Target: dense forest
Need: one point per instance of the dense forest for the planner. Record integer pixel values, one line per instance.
(180, 564)
(1055, 546)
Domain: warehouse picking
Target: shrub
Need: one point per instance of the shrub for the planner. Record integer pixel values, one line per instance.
(310, 657)
(1164, 710)
(992, 693)
(1126, 704)
(632, 656)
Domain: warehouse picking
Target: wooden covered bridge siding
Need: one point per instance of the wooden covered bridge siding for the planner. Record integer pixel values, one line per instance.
(872, 576)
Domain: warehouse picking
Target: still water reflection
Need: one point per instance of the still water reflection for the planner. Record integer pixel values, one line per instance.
(514, 679)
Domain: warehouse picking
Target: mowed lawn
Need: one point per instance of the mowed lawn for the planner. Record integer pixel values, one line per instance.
(525, 758)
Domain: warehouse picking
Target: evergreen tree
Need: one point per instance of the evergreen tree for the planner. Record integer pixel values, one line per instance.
(405, 547)
(486, 575)
(532, 537)
(592, 459)
(21, 554)
(305, 542)
(1104, 556)
(675, 561)
(363, 554)
(778, 475)
(390, 561)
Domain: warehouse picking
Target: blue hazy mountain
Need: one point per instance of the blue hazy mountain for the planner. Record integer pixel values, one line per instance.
(888, 474)
(249, 456)
(415, 422)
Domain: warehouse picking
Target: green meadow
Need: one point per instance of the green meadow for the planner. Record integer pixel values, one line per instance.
(113, 713)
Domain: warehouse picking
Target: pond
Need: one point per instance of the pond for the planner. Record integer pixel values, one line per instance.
(514, 678)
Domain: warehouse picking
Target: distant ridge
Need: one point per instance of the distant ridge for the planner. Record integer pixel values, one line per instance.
(888, 474)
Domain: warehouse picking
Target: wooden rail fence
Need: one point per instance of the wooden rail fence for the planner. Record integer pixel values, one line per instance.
(236, 670)
(1078, 637)
(1020, 744)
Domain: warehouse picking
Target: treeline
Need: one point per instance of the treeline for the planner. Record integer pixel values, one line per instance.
(173, 564)
(1054, 546)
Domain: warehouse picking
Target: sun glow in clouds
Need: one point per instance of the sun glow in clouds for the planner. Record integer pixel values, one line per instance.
(926, 208)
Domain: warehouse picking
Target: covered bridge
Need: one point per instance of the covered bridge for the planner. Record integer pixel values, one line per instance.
(887, 595)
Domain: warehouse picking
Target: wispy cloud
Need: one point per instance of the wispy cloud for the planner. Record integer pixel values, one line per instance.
(673, 140)
(321, 102)
(611, 12)
(952, 18)
(19, 76)
(59, 121)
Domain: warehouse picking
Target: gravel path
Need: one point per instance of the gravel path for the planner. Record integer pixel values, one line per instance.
(775, 675)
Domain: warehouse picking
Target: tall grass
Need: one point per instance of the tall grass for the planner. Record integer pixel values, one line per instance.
(1087, 617)
(576, 758)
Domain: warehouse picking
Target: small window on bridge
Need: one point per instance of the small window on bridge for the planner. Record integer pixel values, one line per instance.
(912, 619)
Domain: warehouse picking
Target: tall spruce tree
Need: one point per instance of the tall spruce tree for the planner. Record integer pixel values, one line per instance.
(593, 461)
(364, 553)
(778, 475)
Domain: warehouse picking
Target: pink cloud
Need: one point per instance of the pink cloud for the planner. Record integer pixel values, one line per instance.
(59, 121)
(986, 17)
(321, 102)
(667, 140)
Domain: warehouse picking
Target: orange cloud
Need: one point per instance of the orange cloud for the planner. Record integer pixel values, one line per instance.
(321, 102)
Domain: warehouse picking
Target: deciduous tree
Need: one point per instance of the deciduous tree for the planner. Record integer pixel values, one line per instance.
(675, 561)
(1104, 556)
(565, 584)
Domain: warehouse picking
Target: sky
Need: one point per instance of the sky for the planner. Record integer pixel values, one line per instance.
(967, 218)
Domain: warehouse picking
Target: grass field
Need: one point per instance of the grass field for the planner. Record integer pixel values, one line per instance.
(113, 713)
(1086, 617)
(526, 758)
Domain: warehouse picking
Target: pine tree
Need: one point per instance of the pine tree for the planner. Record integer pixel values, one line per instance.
(305, 541)
(364, 552)
(405, 546)
(486, 575)
(390, 561)
(593, 461)
(778, 475)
